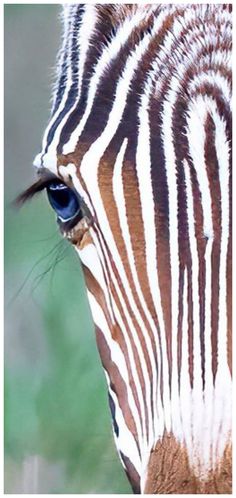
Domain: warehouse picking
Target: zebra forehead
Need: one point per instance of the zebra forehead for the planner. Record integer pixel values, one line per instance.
(126, 53)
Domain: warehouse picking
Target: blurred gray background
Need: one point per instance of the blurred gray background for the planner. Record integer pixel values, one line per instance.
(58, 436)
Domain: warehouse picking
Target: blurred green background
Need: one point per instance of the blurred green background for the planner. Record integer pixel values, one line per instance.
(58, 436)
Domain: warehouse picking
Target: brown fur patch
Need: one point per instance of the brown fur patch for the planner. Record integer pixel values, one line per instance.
(169, 472)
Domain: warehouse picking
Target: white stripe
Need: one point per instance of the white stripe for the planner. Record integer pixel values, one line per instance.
(64, 15)
(197, 114)
(143, 165)
(222, 152)
(117, 355)
(185, 387)
(170, 164)
(208, 391)
(86, 30)
(198, 421)
(125, 442)
(90, 259)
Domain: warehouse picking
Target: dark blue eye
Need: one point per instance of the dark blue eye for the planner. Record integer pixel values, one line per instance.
(63, 200)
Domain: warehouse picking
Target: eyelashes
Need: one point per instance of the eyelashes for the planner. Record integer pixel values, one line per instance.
(41, 184)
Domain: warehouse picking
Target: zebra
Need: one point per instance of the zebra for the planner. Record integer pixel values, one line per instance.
(136, 163)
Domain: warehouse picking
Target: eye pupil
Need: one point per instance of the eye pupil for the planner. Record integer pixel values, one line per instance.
(60, 196)
(63, 200)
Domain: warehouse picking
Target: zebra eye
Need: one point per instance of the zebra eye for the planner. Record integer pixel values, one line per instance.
(63, 200)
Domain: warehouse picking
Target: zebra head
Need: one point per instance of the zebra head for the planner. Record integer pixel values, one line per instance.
(136, 163)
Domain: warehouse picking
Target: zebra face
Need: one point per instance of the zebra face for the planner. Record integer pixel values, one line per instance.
(139, 148)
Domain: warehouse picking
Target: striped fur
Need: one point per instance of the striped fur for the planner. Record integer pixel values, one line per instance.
(141, 124)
